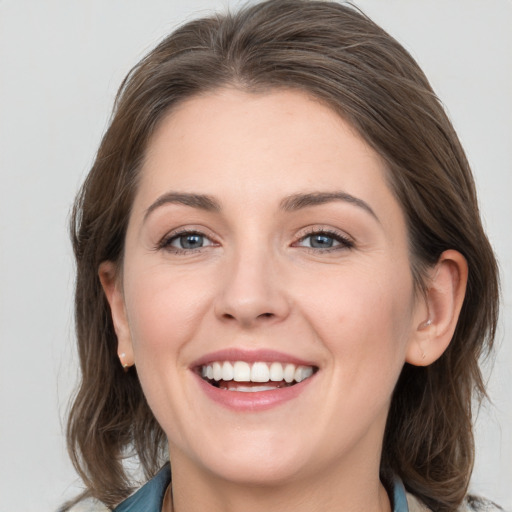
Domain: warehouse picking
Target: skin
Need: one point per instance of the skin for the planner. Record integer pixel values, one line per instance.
(256, 283)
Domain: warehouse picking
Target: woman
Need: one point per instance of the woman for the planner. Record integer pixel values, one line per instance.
(283, 284)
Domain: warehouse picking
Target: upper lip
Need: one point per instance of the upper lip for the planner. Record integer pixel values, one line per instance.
(250, 356)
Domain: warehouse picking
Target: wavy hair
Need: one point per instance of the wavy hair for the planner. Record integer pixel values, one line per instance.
(336, 54)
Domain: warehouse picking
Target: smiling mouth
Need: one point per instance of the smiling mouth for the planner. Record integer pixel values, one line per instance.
(254, 377)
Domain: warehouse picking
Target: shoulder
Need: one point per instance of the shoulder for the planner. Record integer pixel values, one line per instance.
(89, 505)
(148, 498)
(470, 504)
(415, 505)
(478, 504)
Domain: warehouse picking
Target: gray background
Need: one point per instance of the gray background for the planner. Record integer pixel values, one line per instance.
(60, 65)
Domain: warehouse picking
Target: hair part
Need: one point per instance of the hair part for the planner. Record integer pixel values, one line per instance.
(337, 55)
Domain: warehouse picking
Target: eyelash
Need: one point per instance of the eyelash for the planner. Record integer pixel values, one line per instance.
(166, 242)
(343, 241)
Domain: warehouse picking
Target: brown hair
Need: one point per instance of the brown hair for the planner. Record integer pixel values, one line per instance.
(336, 54)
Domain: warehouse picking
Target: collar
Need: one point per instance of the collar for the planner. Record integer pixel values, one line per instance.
(399, 496)
(150, 496)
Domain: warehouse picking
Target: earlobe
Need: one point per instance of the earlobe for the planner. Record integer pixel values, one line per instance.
(445, 296)
(110, 282)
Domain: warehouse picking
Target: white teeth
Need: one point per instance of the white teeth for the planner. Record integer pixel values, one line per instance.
(302, 373)
(227, 371)
(241, 371)
(217, 371)
(252, 389)
(260, 372)
(276, 372)
(289, 372)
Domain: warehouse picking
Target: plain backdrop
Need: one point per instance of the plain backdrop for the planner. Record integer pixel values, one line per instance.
(60, 65)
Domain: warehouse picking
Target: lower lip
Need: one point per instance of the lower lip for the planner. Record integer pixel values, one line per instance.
(253, 401)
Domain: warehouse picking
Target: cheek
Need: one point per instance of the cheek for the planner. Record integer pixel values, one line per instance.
(363, 316)
(164, 308)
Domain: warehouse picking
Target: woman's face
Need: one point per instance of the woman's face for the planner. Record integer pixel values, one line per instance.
(265, 246)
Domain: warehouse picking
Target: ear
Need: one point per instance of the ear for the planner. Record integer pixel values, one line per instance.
(437, 319)
(112, 287)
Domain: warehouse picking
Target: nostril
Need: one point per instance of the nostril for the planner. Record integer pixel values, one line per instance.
(266, 315)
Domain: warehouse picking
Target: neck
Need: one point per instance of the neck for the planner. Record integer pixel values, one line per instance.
(357, 490)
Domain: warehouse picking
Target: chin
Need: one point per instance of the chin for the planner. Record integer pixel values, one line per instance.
(251, 458)
(269, 471)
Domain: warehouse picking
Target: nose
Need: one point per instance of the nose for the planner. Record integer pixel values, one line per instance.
(253, 291)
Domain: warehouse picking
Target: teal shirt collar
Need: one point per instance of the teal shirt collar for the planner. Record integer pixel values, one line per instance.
(149, 497)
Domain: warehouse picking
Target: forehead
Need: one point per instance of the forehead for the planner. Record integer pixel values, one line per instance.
(276, 136)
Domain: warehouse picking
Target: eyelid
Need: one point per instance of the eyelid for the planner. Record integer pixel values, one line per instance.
(345, 241)
(165, 242)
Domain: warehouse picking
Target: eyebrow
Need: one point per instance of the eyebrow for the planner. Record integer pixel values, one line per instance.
(201, 201)
(291, 203)
(299, 201)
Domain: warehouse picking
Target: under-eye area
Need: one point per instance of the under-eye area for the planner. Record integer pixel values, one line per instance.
(254, 377)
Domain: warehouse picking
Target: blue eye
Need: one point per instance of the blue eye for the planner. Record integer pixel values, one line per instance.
(321, 241)
(188, 241)
(325, 240)
(185, 241)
